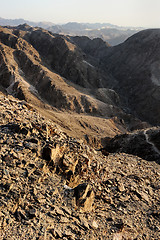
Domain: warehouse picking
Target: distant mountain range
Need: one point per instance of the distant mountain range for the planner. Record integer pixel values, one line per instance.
(113, 34)
(15, 22)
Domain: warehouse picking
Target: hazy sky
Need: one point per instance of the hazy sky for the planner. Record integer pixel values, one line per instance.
(145, 13)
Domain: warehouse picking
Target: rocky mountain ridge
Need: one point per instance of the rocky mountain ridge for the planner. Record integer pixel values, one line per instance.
(85, 76)
(135, 66)
(143, 143)
(47, 71)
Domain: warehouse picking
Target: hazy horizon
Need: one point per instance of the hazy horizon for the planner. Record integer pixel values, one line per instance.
(62, 23)
(134, 13)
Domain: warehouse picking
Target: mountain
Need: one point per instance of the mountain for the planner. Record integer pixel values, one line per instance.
(19, 21)
(133, 70)
(113, 34)
(105, 81)
(68, 26)
(86, 76)
(135, 66)
(54, 74)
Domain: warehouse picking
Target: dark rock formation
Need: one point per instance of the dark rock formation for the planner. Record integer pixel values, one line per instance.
(95, 48)
(144, 144)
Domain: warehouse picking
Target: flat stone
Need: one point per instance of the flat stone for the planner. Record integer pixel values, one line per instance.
(58, 211)
(94, 225)
(64, 220)
(67, 210)
(121, 187)
(84, 222)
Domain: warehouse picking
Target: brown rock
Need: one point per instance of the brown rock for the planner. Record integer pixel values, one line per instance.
(69, 164)
(94, 225)
(67, 210)
(52, 154)
(56, 233)
(64, 220)
(121, 187)
(68, 234)
(58, 211)
(84, 222)
(84, 197)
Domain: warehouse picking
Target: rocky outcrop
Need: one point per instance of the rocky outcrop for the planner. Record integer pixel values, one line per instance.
(144, 144)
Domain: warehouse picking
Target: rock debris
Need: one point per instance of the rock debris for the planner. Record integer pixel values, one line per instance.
(53, 186)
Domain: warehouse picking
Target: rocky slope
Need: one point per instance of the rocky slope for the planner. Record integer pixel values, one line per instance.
(83, 76)
(93, 47)
(55, 187)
